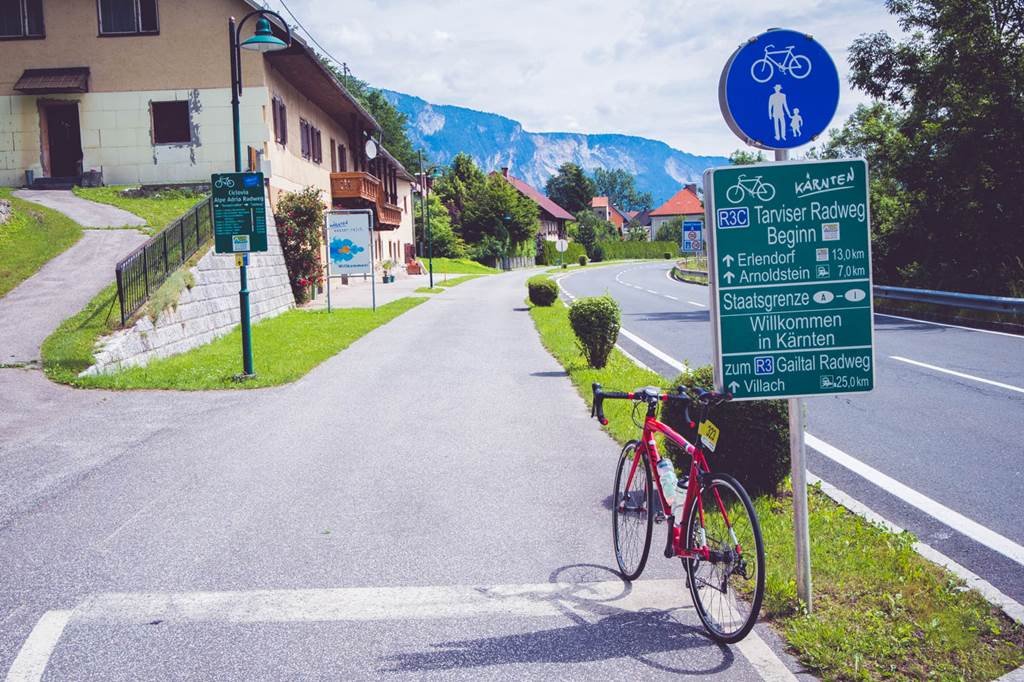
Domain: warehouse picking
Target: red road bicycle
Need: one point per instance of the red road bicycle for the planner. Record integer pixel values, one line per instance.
(718, 537)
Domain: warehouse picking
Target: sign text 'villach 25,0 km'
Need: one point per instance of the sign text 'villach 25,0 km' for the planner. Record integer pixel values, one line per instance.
(791, 276)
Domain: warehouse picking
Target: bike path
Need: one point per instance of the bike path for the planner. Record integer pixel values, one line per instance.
(946, 437)
(431, 502)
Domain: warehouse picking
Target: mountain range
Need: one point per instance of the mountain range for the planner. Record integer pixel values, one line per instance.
(495, 141)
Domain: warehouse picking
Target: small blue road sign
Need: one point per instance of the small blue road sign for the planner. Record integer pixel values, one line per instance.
(779, 90)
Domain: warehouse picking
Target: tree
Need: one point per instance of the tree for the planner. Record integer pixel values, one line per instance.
(670, 231)
(589, 229)
(637, 233)
(570, 188)
(445, 242)
(457, 183)
(955, 83)
(742, 157)
(497, 214)
(620, 188)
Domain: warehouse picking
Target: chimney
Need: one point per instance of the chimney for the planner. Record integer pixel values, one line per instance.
(692, 187)
(504, 171)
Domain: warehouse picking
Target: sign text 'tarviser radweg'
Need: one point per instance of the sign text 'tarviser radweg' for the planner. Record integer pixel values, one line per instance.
(791, 278)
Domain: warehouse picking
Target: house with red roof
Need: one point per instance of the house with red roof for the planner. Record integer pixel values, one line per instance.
(552, 216)
(684, 204)
(606, 210)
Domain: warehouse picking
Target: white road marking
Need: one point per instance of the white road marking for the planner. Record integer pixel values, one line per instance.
(697, 304)
(651, 291)
(953, 519)
(953, 326)
(36, 651)
(1008, 387)
(1012, 608)
(667, 359)
(594, 600)
(671, 296)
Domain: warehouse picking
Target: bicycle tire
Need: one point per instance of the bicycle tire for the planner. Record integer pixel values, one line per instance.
(800, 67)
(709, 606)
(734, 197)
(766, 70)
(766, 192)
(627, 528)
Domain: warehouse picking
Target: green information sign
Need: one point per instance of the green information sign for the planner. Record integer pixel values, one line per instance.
(790, 275)
(239, 212)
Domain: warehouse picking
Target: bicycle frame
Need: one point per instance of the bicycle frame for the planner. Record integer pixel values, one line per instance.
(698, 467)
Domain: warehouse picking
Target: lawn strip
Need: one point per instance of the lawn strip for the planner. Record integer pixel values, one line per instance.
(159, 210)
(452, 266)
(33, 235)
(880, 611)
(428, 290)
(286, 347)
(448, 283)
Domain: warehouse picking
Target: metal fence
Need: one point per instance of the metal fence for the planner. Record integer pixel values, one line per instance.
(992, 304)
(142, 271)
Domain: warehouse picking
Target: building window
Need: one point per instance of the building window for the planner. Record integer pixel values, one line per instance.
(304, 138)
(171, 123)
(312, 143)
(318, 149)
(127, 17)
(21, 19)
(342, 160)
(334, 156)
(280, 112)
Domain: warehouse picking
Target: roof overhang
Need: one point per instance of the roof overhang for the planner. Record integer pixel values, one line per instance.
(49, 81)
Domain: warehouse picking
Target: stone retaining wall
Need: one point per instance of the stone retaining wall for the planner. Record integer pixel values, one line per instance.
(209, 309)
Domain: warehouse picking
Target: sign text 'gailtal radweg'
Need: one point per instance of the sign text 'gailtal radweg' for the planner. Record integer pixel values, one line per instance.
(791, 278)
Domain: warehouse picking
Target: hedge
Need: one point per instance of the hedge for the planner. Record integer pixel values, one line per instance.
(616, 250)
(549, 255)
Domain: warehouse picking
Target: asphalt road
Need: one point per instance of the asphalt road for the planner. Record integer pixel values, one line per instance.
(429, 503)
(954, 439)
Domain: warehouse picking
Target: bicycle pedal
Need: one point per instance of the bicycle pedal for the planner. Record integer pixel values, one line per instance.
(659, 518)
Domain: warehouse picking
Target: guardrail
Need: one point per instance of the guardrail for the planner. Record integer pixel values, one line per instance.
(693, 273)
(141, 272)
(992, 304)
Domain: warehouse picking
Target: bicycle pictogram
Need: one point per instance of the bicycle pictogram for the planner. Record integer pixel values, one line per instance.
(755, 187)
(796, 65)
(224, 182)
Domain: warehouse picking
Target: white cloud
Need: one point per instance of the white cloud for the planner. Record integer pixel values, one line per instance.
(648, 68)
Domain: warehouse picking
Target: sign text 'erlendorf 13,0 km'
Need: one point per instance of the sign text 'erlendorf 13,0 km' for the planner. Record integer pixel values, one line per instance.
(790, 269)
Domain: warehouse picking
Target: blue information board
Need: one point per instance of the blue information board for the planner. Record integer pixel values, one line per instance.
(693, 239)
(779, 90)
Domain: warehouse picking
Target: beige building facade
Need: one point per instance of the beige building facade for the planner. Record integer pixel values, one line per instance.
(139, 93)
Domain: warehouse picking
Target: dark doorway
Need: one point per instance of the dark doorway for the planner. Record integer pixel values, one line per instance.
(64, 139)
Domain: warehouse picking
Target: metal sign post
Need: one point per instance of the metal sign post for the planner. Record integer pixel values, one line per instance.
(789, 253)
(562, 245)
(349, 238)
(240, 226)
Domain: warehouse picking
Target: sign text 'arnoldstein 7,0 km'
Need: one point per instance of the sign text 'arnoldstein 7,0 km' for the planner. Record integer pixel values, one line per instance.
(790, 269)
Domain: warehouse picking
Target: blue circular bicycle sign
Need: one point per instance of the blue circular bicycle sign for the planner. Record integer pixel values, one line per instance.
(779, 90)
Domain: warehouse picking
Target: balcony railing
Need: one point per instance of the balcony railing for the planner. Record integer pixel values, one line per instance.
(365, 187)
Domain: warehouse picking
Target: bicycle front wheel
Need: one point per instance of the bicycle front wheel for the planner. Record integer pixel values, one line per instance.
(632, 511)
(727, 588)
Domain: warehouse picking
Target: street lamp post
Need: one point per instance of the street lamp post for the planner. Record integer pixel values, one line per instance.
(424, 202)
(263, 40)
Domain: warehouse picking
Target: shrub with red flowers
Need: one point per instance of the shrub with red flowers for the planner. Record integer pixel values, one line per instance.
(299, 217)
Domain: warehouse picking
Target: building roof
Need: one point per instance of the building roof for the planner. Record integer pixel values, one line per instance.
(599, 202)
(683, 202)
(44, 81)
(546, 204)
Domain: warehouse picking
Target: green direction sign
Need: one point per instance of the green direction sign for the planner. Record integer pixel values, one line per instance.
(790, 274)
(239, 212)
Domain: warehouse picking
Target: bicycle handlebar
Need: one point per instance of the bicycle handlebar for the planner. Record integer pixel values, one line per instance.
(651, 394)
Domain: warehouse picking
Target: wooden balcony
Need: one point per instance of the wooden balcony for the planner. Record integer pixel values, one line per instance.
(356, 185)
(362, 190)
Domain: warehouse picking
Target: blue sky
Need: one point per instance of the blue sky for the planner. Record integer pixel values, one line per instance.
(647, 67)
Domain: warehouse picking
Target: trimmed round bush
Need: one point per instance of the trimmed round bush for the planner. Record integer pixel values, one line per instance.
(754, 441)
(582, 259)
(597, 254)
(543, 290)
(667, 255)
(595, 321)
(565, 265)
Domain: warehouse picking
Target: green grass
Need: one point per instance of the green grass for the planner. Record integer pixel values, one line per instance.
(448, 283)
(452, 266)
(590, 264)
(429, 290)
(158, 210)
(286, 348)
(880, 611)
(32, 236)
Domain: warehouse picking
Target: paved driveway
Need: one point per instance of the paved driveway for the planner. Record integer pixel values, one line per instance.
(431, 502)
(84, 212)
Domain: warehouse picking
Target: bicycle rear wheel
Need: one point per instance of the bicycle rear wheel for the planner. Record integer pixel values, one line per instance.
(727, 589)
(632, 512)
